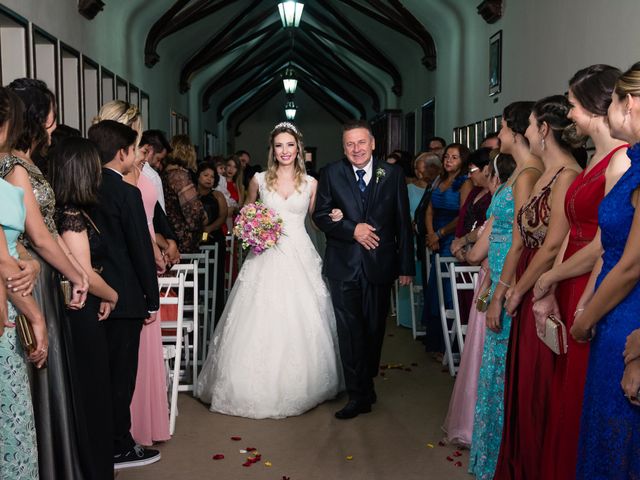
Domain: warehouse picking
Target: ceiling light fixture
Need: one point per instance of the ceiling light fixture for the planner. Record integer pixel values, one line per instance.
(290, 13)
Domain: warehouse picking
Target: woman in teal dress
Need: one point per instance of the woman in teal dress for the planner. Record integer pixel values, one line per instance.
(503, 247)
(18, 447)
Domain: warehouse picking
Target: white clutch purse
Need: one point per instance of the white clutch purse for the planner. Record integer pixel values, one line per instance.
(554, 335)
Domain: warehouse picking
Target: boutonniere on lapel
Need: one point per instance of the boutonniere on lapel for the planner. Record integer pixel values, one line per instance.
(380, 173)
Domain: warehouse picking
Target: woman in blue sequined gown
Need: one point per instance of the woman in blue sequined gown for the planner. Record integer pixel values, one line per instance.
(609, 446)
(451, 191)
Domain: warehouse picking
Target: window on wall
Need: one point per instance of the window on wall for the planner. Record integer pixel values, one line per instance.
(91, 88)
(428, 117)
(179, 124)
(13, 48)
(134, 95)
(45, 56)
(210, 143)
(145, 109)
(108, 85)
(70, 76)
(122, 90)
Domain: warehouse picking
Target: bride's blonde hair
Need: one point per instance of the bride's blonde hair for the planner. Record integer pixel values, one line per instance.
(271, 177)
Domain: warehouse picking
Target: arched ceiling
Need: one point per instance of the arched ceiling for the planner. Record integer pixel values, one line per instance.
(238, 51)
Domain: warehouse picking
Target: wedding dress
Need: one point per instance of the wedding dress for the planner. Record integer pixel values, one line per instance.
(274, 353)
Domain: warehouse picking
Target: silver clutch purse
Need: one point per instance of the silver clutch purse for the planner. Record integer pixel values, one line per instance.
(554, 335)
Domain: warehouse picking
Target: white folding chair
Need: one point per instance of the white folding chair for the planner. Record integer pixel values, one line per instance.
(416, 295)
(462, 277)
(231, 245)
(213, 261)
(443, 274)
(393, 310)
(203, 298)
(190, 323)
(173, 351)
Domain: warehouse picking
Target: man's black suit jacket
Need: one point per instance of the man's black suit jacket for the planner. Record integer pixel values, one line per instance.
(387, 210)
(130, 267)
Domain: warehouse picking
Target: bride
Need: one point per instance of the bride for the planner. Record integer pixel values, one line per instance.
(274, 353)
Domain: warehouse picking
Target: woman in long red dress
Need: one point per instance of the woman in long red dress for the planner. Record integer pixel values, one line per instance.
(590, 95)
(543, 227)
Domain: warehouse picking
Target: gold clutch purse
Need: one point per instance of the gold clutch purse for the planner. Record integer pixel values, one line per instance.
(65, 288)
(25, 334)
(554, 335)
(483, 301)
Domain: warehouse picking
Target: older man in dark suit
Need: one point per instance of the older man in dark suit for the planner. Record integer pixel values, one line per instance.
(367, 249)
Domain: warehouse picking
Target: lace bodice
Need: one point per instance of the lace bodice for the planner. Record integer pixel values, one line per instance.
(533, 217)
(293, 210)
(41, 189)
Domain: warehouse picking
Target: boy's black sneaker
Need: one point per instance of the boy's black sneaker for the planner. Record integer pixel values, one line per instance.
(136, 457)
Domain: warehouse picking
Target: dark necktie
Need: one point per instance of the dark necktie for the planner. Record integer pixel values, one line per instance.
(361, 184)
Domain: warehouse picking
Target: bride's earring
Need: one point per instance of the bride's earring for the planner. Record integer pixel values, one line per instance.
(543, 144)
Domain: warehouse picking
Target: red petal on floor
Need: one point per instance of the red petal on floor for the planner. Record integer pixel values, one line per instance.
(390, 335)
(457, 453)
(407, 369)
(285, 478)
(236, 439)
(450, 459)
(247, 464)
(218, 456)
(458, 464)
(414, 364)
(441, 443)
(250, 449)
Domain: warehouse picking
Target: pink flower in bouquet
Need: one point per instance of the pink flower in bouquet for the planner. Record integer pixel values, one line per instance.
(258, 227)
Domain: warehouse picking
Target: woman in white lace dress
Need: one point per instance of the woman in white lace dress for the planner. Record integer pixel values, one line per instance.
(274, 353)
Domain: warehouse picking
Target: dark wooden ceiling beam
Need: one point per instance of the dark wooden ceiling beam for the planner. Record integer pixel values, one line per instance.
(316, 34)
(426, 40)
(250, 106)
(154, 36)
(223, 39)
(245, 65)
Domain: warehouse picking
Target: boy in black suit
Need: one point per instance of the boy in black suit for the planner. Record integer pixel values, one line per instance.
(130, 269)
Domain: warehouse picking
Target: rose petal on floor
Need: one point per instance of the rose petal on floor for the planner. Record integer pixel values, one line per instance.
(218, 456)
(236, 439)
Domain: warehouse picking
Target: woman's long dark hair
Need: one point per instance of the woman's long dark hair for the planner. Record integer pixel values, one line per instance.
(75, 172)
(38, 102)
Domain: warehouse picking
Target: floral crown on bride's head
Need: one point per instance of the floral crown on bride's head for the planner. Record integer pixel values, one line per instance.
(287, 125)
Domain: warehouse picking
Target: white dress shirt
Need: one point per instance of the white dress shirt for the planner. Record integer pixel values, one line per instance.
(368, 171)
(150, 172)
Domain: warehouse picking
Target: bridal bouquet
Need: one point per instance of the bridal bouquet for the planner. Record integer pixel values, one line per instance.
(258, 227)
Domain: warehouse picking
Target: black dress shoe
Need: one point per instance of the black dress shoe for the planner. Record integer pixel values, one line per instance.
(353, 409)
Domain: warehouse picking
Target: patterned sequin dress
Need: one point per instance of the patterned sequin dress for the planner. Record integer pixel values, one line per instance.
(530, 362)
(487, 426)
(18, 449)
(58, 415)
(609, 445)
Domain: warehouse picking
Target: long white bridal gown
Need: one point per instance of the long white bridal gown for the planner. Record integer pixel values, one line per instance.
(274, 353)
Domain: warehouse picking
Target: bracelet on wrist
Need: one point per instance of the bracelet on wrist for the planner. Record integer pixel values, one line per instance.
(503, 283)
(578, 310)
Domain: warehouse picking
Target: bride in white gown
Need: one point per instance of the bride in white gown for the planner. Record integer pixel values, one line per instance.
(274, 353)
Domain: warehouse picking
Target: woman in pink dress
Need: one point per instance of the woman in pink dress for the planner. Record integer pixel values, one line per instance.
(149, 407)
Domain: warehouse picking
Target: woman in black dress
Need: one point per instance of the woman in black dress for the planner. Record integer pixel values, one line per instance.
(215, 206)
(75, 173)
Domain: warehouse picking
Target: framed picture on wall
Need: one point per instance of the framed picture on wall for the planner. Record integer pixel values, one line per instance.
(455, 135)
(463, 136)
(495, 63)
